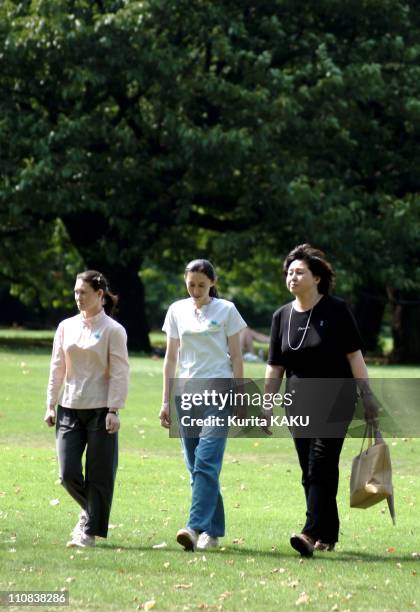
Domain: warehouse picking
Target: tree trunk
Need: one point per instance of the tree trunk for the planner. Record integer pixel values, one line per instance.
(405, 326)
(369, 311)
(131, 313)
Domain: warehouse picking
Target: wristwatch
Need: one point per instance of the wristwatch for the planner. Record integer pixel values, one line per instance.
(114, 412)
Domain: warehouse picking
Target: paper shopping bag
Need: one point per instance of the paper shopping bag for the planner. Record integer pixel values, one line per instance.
(371, 475)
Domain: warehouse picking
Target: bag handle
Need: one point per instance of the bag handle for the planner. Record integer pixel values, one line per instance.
(369, 435)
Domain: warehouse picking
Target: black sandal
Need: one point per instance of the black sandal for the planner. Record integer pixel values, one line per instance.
(303, 544)
(324, 546)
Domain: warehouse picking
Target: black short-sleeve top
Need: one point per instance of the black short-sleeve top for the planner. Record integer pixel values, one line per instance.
(332, 333)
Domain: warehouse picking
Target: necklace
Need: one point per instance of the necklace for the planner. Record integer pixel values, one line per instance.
(199, 314)
(295, 348)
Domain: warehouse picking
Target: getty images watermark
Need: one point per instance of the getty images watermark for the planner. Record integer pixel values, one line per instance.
(303, 407)
(223, 402)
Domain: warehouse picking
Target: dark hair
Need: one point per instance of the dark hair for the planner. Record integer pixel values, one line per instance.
(205, 267)
(98, 281)
(316, 262)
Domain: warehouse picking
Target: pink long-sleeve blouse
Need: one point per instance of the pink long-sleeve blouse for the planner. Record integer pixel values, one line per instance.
(89, 363)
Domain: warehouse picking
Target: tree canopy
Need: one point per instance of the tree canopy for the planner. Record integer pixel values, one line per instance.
(158, 130)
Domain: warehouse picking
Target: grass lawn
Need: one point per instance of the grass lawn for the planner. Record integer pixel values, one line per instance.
(376, 566)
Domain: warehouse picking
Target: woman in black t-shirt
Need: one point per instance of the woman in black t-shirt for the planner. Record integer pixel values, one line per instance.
(316, 337)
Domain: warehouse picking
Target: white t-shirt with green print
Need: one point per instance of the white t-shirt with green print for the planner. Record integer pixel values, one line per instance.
(203, 335)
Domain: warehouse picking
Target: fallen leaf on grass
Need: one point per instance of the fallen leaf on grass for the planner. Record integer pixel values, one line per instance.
(70, 579)
(391, 549)
(225, 595)
(54, 502)
(148, 605)
(302, 599)
(238, 541)
(161, 545)
(293, 583)
(166, 565)
(184, 586)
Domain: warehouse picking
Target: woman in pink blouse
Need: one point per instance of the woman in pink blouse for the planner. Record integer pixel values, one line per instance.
(89, 381)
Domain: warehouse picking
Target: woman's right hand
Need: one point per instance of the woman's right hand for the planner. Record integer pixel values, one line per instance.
(49, 417)
(165, 419)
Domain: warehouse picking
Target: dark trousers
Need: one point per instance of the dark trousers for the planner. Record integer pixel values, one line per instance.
(76, 431)
(319, 458)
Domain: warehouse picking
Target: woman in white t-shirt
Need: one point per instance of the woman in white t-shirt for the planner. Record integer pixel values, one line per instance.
(203, 334)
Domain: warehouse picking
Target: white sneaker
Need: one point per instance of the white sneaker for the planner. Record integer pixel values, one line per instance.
(80, 525)
(187, 538)
(206, 541)
(81, 540)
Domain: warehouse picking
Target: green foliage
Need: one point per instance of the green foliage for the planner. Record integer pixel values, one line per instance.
(157, 130)
(51, 280)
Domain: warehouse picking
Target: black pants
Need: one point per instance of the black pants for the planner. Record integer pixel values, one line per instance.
(319, 458)
(76, 431)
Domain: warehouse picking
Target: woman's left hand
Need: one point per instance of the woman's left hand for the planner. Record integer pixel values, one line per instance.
(371, 409)
(112, 422)
(267, 414)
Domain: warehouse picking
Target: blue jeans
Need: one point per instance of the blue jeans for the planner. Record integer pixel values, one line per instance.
(203, 457)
